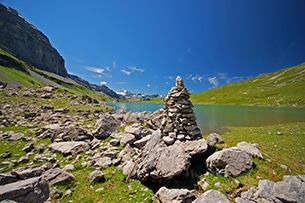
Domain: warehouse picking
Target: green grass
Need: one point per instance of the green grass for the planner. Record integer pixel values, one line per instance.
(285, 87)
(10, 75)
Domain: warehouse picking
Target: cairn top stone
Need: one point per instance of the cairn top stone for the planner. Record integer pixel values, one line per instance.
(179, 81)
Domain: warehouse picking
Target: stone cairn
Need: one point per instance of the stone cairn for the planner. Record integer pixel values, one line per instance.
(179, 121)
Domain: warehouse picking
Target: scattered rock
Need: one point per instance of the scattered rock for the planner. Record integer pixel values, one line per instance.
(214, 138)
(211, 196)
(290, 189)
(105, 126)
(30, 190)
(127, 138)
(28, 147)
(96, 176)
(229, 162)
(166, 195)
(56, 176)
(249, 148)
(67, 148)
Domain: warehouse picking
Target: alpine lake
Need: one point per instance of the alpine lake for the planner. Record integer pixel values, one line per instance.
(215, 118)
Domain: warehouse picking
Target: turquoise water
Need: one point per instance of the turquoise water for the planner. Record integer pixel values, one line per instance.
(214, 118)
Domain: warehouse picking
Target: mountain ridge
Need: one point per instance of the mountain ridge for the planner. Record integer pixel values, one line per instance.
(21, 40)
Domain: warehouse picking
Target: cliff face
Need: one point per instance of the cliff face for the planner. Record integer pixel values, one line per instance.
(22, 39)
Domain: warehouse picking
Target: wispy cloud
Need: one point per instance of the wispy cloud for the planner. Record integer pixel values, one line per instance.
(189, 51)
(103, 83)
(121, 83)
(95, 69)
(126, 72)
(133, 68)
(195, 78)
(213, 81)
(114, 65)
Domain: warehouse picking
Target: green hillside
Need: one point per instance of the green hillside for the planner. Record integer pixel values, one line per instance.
(285, 87)
(15, 73)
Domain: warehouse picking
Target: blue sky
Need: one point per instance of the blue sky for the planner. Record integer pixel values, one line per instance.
(143, 45)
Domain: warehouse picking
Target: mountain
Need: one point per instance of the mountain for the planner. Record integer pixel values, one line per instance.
(25, 48)
(285, 87)
(25, 41)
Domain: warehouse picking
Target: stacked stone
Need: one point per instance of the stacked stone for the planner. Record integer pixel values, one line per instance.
(179, 121)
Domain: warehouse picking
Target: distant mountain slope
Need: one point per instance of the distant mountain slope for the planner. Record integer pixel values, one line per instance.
(25, 48)
(285, 87)
(25, 41)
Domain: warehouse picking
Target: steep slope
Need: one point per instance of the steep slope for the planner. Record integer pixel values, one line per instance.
(25, 48)
(285, 87)
(25, 41)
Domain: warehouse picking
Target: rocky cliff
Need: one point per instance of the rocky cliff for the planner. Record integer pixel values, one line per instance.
(25, 41)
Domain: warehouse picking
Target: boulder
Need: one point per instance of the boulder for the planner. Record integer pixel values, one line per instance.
(214, 138)
(57, 176)
(229, 162)
(249, 148)
(159, 162)
(127, 138)
(34, 190)
(67, 148)
(166, 195)
(105, 126)
(7, 178)
(211, 196)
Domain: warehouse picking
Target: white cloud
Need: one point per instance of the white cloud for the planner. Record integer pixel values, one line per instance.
(133, 68)
(148, 85)
(103, 83)
(126, 72)
(213, 81)
(95, 69)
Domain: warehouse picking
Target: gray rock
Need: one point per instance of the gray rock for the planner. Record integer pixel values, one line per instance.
(291, 189)
(229, 162)
(28, 43)
(137, 130)
(105, 126)
(166, 195)
(96, 176)
(158, 163)
(249, 148)
(168, 140)
(28, 147)
(214, 138)
(57, 176)
(127, 138)
(67, 148)
(129, 169)
(34, 190)
(7, 178)
(141, 143)
(155, 120)
(211, 196)
(32, 171)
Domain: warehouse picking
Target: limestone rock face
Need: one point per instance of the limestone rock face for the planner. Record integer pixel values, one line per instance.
(179, 121)
(26, 42)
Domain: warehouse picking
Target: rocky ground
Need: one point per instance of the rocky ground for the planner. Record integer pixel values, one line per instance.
(42, 128)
